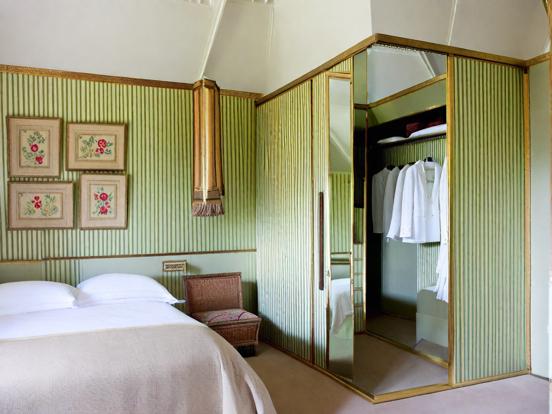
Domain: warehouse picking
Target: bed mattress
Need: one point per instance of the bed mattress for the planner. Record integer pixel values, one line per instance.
(125, 358)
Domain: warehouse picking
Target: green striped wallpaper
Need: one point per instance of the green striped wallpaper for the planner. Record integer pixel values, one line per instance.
(292, 168)
(414, 151)
(426, 262)
(63, 271)
(159, 166)
(358, 287)
(426, 265)
(487, 202)
(341, 210)
(74, 271)
(343, 67)
(284, 219)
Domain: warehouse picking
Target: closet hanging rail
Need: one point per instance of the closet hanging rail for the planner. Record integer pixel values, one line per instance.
(410, 141)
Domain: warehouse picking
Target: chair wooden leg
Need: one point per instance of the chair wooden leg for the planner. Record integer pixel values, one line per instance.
(247, 351)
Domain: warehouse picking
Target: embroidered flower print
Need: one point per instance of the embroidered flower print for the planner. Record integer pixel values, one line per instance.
(33, 150)
(95, 147)
(103, 202)
(44, 206)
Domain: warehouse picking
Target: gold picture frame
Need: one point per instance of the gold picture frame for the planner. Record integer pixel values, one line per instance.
(33, 205)
(103, 201)
(34, 148)
(96, 146)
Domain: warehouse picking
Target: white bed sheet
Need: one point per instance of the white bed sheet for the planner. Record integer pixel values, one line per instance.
(340, 302)
(49, 359)
(92, 318)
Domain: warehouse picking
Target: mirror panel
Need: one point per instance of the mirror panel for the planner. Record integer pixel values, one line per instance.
(340, 312)
(391, 70)
(402, 340)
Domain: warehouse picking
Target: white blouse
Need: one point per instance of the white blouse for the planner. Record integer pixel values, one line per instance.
(379, 180)
(395, 224)
(388, 198)
(443, 261)
(420, 203)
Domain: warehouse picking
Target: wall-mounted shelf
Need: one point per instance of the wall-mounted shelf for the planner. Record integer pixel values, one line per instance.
(397, 127)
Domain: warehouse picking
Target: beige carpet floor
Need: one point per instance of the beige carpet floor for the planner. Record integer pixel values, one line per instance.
(398, 329)
(380, 367)
(297, 388)
(403, 331)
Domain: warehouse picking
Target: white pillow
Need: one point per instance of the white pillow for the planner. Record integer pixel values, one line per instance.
(121, 288)
(35, 295)
(428, 132)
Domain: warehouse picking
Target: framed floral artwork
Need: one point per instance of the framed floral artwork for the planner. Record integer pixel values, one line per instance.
(40, 205)
(96, 146)
(33, 146)
(103, 201)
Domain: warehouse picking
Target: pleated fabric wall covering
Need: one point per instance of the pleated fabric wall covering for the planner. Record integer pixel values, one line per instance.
(358, 287)
(341, 210)
(292, 168)
(284, 220)
(426, 265)
(426, 254)
(159, 165)
(63, 271)
(487, 183)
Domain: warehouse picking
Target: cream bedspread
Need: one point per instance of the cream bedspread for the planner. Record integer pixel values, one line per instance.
(173, 368)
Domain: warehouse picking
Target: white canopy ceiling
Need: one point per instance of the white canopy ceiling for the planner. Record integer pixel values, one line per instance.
(252, 45)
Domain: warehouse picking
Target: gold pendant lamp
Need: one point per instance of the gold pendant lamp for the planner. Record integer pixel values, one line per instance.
(208, 182)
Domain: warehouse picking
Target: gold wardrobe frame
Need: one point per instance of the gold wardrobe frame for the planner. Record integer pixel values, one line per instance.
(449, 52)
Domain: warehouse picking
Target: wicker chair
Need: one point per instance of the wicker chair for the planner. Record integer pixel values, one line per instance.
(216, 300)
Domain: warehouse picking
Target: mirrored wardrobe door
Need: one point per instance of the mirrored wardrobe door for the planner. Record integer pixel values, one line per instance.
(340, 307)
(399, 122)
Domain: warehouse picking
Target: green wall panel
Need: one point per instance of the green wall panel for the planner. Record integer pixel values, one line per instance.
(288, 231)
(159, 166)
(341, 210)
(63, 271)
(427, 256)
(414, 151)
(284, 219)
(73, 271)
(343, 67)
(487, 208)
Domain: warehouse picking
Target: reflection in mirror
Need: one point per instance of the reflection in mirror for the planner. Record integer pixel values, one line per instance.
(398, 93)
(391, 70)
(341, 320)
(359, 213)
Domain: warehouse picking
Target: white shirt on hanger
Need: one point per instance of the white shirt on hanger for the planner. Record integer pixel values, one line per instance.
(378, 190)
(395, 224)
(420, 203)
(388, 198)
(443, 261)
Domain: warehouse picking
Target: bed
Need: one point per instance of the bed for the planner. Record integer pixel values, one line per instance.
(136, 357)
(340, 303)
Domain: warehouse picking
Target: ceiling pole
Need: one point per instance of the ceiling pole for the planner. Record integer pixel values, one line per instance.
(212, 35)
(451, 22)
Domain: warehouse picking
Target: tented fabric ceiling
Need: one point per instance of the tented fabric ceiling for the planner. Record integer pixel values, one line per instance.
(252, 45)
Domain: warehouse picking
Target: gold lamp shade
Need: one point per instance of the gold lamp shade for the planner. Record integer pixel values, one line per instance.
(208, 182)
